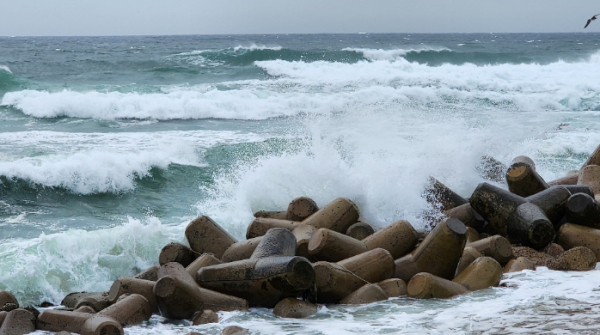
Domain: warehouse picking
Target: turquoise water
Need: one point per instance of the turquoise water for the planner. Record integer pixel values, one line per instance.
(109, 146)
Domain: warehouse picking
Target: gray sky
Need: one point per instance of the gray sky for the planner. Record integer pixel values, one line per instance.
(160, 17)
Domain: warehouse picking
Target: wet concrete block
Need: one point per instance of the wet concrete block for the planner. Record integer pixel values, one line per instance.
(206, 236)
(484, 272)
(365, 295)
(398, 238)
(301, 208)
(427, 286)
(338, 215)
(519, 264)
(176, 252)
(393, 287)
(204, 317)
(294, 308)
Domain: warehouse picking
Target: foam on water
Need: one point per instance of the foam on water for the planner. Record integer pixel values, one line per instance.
(324, 87)
(87, 172)
(254, 46)
(87, 163)
(5, 68)
(49, 267)
(391, 54)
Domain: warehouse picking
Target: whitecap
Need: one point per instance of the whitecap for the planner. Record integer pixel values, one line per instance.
(5, 68)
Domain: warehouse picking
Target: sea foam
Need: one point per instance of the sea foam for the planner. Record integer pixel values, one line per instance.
(50, 266)
(327, 87)
(391, 54)
(87, 163)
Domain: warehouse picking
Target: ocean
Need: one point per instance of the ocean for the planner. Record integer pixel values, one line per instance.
(110, 146)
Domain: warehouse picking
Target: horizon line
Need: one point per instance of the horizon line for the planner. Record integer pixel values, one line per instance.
(269, 34)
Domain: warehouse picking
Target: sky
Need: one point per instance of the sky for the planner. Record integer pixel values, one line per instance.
(175, 17)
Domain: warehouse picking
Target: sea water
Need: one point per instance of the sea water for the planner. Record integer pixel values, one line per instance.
(109, 146)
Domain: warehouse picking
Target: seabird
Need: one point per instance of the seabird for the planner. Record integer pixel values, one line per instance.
(590, 20)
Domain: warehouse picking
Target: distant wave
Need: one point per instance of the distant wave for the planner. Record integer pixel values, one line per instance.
(392, 54)
(322, 87)
(244, 104)
(5, 68)
(86, 173)
(104, 163)
(253, 47)
(247, 55)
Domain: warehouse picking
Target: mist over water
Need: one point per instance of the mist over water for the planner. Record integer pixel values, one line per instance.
(110, 146)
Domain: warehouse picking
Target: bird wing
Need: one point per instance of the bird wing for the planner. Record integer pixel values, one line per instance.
(588, 23)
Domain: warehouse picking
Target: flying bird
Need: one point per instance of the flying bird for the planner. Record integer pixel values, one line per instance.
(590, 20)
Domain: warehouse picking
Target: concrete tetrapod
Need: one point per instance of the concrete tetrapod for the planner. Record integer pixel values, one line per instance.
(200, 262)
(367, 294)
(101, 325)
(399, 238)
(176, 252)
(148, 274)
(571, 235)
(438, 254)
(56, 320)
(328, 245)
(271, 274)
(552, 201)
(179, 297)
(72, 299)
(294, 308)
(360, 230)
(373, 265)
(241, 250)
(424, 285)
(467, 215)
(303, 233)
(472, 235)
(142, 287)
(590, 175)
(523, 180)
(583, 210)
(484, 272)
(260, 226)
(338, 215)
(518, 264)
(130, 310)
(279, 215)
(301, 208)
(496, 246)
(510, 214)
(206, 236)
(469, 255)
(440, 195)
(575, 259)
(569, 179)
(204, 317)
(18, 322)
(393, 287)
(334, 282)
(530, 226)
(594, 158)
(495, 205)
(7, 298)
